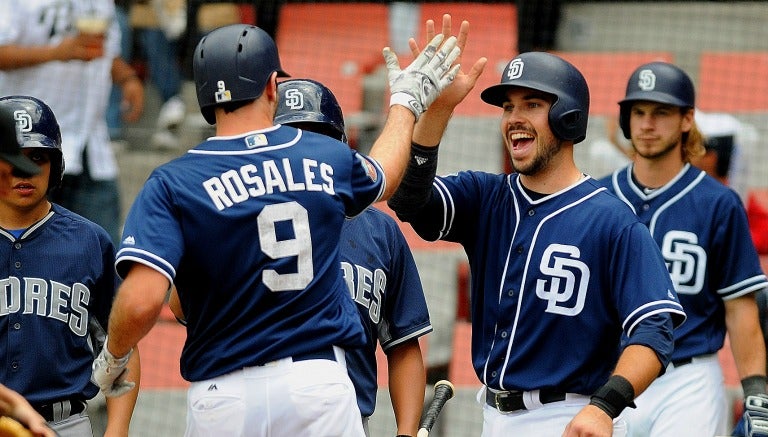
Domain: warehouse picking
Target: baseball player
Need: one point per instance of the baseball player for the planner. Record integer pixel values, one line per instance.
(701, 228)
(560, 268)
(59, 281)
(379, 271)
(246, 225)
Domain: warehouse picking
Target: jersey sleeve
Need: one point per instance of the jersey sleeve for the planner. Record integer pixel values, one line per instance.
(451, 208)
(151, 235)
(640, 276)
(736, 269)
(406, 315)
(367, 183)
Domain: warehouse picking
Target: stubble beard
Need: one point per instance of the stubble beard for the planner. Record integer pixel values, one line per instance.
(541, 159)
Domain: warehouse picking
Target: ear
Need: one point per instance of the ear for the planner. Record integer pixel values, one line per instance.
(271, 89)
(687, 123)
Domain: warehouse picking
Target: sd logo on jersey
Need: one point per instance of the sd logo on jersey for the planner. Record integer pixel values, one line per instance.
(566, 290)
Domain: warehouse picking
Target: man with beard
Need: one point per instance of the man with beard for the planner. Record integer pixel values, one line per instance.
(702, 230)
(560, 268)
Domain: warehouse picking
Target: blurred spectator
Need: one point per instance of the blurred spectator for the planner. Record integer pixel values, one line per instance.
(538, 21)
(157, 27)
(725, 141)
(70, 60)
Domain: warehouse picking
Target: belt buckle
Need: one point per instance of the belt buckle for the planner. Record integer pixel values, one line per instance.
(498, 397)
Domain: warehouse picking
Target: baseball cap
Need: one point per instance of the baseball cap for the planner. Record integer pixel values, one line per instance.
(10, 147)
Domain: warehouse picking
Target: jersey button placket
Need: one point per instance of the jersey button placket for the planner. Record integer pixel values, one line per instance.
(17, 245)
(17, 264)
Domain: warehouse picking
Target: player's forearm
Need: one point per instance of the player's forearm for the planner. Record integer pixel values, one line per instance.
(639, 365)
(407, 380)
(120, 408)
(746, 337)
(431, 126)
(392, 148)
(136, 308)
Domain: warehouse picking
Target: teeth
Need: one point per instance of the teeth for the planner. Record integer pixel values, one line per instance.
(520, 136)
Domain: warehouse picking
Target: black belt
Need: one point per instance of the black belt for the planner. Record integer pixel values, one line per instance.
(58, 411)
(508, 401)
(325, 353)
(689, 360)
(682, 362)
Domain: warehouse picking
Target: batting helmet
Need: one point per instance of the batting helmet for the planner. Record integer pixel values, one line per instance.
(553, 75)
(233, 64)
(656, 82)
(39, 129)
(308, 101)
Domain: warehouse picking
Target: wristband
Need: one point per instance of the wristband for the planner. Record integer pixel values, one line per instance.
(613, 397)
(753, 385)
(416, 186)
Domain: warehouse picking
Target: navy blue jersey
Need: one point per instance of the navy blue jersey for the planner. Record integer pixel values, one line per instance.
(561, 276)
(58, 282)
(381, 274)
(247, 227)
(701, 227)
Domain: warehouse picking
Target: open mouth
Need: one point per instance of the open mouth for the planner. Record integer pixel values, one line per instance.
(520, 140)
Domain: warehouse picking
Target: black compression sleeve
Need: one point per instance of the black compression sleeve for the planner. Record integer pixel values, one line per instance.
(415, 189)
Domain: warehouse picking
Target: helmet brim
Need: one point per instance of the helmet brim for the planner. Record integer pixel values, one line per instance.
(20, 162)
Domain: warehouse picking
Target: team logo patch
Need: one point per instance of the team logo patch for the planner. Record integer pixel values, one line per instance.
(370, 170)
(646, 80)
(515, 69)
(223, 94)
(294, 99)
(256, 140)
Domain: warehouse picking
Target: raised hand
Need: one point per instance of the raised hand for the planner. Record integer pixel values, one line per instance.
(464, 81)
(419, 84)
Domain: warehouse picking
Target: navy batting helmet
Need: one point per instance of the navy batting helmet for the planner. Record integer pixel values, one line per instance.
(308, 101)
(553, 75)
(38, 128)
(233, 64)
(656, 82)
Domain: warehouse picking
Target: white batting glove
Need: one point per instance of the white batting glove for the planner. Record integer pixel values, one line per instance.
(109, 373)
(420, 83)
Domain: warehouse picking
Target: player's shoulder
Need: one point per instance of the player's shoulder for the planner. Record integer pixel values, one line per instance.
(602, 201)
(77, 224)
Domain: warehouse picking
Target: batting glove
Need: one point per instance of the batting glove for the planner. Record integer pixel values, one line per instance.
(754, 422)
(109, 373)
(420, 83)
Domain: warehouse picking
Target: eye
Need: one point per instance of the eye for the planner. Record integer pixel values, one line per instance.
(38, 157)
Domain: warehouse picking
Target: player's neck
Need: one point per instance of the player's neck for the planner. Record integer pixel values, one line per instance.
(558, 175)
(655, 173)
(255, 116)
(16, 217)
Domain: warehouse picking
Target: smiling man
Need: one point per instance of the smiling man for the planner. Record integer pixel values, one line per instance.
(557, 263)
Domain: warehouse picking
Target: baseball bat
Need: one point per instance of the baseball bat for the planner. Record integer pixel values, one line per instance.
(443, 392)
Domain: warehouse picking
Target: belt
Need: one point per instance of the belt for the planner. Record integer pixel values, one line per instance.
(682, 362)
(324, 353)
(508, 401)
(58, 411)
(689, 360)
